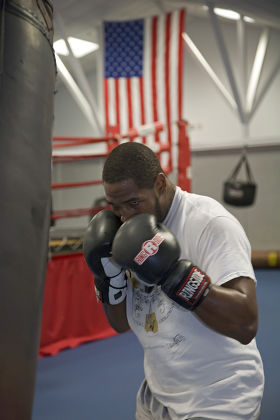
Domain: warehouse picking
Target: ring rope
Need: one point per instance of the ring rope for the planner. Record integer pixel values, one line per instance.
(75, 184)
(69, 158)
(111, 142)
(89, 211)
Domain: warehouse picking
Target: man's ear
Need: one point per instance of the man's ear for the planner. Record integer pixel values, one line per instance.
(160, 183)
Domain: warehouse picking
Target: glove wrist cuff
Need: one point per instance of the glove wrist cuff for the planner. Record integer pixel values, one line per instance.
(111, 290)
(187, 285)
(193, 289)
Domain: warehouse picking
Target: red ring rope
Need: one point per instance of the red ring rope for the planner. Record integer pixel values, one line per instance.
(111, 142)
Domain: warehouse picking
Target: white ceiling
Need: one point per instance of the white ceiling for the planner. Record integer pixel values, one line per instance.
(82, 17)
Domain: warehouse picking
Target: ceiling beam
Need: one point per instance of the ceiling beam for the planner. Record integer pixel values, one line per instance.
(76, 92)
(80, 76)
(225, 58)
(257, 70)
(206, 66)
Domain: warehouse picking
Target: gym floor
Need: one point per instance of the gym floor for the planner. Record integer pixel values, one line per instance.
(99, 380)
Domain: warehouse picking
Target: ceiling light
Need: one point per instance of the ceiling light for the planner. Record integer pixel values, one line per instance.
(79, 47)
(226, 13)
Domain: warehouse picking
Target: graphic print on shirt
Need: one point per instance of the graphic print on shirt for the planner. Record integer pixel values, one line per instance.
(176, 341)
(151, 323)
(150, 309)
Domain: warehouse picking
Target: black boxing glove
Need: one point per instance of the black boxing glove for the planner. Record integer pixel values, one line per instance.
(152, 251)
(109, 277)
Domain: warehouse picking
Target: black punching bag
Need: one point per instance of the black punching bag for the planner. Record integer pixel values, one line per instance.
(27, 83)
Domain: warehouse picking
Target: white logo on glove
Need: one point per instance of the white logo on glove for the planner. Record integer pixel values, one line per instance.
(149, 248)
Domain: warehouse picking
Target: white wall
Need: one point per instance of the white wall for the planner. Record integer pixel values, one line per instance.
(69, 120)
(260, 221)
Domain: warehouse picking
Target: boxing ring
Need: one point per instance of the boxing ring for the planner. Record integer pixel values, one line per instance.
(71, 315)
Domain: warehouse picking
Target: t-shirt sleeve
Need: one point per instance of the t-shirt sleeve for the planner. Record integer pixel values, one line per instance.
(225, 251)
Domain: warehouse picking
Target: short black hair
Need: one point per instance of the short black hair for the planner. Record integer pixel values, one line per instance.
(132, 161)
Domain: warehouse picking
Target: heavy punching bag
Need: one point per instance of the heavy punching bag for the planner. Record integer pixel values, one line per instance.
(27, 84)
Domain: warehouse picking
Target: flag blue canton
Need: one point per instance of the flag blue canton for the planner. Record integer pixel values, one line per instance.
(124, 49)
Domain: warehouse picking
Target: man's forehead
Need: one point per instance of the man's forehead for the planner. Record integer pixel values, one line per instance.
(121, 189)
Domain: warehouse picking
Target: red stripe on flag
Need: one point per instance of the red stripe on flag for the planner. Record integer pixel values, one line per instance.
(106, 103)
(117, 105)
(166, 65)
(129, 103)
(154, 70)
(167, 80)
(142, 105)
(180, 62)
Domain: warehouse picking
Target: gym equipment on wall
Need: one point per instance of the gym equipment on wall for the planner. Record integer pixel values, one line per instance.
(238, 192)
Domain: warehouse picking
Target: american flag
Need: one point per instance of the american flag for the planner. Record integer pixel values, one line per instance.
(143, 64)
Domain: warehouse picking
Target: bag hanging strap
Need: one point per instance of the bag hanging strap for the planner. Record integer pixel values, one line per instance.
(236, 170)
(242, 160)
(248, 170)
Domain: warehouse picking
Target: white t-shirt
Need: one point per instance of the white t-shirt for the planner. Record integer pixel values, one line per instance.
(191, 369)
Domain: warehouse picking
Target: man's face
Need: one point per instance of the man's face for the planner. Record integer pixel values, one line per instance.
(127, 199)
